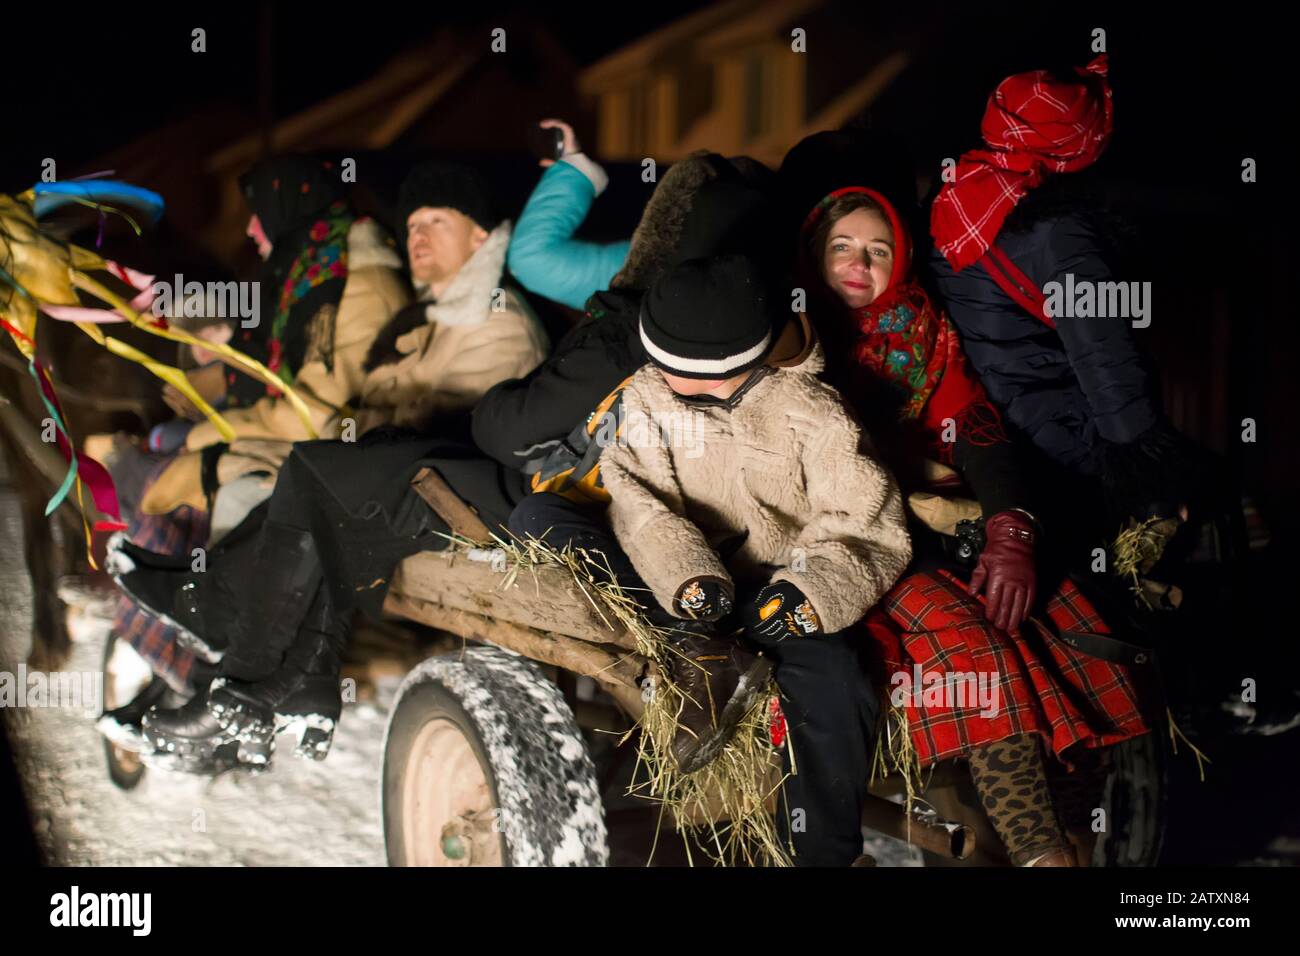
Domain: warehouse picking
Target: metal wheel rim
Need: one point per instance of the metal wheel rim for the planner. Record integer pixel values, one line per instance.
(443, 781)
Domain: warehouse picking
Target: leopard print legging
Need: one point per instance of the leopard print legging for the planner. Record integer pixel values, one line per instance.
(1011, 779)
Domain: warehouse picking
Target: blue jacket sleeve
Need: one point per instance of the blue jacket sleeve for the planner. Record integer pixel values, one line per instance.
(543, 254)
(1101, 351)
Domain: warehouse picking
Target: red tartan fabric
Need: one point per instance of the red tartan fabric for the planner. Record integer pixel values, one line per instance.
(1043, 685)
(1033, 124)
(175, 534)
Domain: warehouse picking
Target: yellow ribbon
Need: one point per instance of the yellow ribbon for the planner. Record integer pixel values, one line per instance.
(175, 376)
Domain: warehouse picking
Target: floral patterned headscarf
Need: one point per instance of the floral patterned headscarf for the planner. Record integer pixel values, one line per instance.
(300, 203)
(902, 342)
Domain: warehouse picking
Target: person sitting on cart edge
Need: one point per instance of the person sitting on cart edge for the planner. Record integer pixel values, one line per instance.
(276, 602)
(768, 530)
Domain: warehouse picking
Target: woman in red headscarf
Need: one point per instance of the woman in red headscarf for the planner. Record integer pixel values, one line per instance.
(1009, 691)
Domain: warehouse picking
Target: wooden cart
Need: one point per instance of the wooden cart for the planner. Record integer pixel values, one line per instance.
(486, 762)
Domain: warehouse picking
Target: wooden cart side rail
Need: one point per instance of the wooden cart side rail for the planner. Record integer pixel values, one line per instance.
(543, 598)
(459, 516)
(616, 671)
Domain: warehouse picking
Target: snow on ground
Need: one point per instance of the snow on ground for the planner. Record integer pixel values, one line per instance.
(299, 813)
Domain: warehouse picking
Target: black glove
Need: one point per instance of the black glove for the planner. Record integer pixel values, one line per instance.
(782, 610)
(703, 600)
(1156, 473)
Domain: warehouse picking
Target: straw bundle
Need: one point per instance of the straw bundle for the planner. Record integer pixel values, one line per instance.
(726, 809)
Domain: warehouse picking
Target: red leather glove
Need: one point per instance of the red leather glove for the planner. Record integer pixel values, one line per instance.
(1006, 566)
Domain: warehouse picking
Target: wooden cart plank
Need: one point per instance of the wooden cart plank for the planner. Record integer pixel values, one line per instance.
(616, 671)
(544, 599)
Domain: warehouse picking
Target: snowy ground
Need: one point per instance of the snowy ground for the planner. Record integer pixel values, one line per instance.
(301, 813)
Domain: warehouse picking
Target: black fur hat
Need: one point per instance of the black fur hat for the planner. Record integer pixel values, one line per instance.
(449, 186)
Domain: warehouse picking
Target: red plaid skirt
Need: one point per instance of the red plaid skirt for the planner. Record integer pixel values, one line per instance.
(175, 533)
(929, 625)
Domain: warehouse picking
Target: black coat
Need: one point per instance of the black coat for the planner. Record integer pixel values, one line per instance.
(1070, 390)
(520, 420)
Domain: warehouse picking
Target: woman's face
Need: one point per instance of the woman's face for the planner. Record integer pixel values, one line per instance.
(258, 235)
(859, 257)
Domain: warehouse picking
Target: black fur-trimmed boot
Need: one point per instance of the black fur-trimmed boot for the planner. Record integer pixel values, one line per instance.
(301, 696)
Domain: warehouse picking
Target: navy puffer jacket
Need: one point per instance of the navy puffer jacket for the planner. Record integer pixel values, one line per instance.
(1069, 390)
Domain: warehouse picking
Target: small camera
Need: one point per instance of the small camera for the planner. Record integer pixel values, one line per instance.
(970, 540)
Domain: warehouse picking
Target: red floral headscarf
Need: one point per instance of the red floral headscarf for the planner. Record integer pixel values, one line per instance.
(901, 340)
(1033, 124)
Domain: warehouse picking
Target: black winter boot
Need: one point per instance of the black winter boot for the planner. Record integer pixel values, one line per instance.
(201, 606)
(188, 739)
(301, 696)
(124, 725)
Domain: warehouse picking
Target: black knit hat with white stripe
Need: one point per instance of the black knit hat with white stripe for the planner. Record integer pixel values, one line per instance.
(710, 318)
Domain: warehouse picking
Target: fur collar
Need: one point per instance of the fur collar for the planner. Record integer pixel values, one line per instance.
(369, 246)
(468, 299)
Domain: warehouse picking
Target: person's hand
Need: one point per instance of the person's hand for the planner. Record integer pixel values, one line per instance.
(1005, 572)
(703, 601)
(570, 140)
(781, 610)
(180, 405)
(209, 381)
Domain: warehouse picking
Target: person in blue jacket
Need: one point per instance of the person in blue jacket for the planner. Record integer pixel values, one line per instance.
(544, 257)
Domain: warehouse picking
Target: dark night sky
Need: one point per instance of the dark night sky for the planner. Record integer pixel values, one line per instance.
(1193, 95)
(95, 79)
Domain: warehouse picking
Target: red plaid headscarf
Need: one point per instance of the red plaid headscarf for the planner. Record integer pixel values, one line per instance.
(1033, 124)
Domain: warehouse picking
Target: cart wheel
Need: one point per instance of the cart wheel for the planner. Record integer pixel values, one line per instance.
(484, 765)
(125, 675)
(1134, 799)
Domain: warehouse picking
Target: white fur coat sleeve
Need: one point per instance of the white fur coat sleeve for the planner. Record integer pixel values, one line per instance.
(648, 518)
(855, 544)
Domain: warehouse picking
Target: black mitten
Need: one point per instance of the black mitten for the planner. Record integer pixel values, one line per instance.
(782, 610)
(704, 600)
